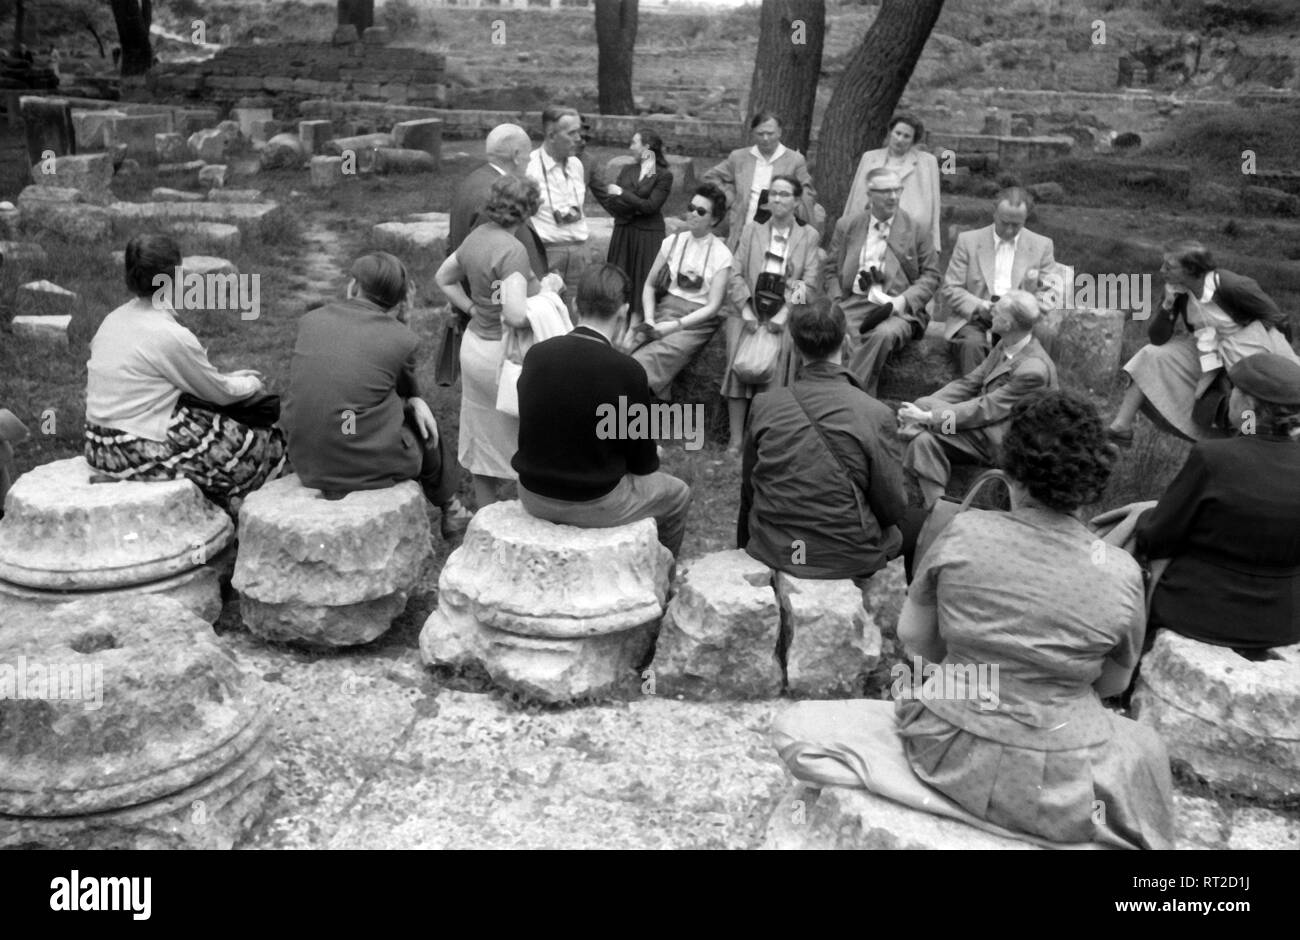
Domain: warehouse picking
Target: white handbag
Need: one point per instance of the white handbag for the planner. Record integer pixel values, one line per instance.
(508, 376)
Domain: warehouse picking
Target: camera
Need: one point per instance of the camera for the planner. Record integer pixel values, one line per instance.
(566, 217)
(689, 281)
(869, 277)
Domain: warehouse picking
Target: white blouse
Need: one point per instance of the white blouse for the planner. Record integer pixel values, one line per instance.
(707, 255)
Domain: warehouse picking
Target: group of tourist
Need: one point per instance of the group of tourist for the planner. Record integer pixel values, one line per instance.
(823, 462)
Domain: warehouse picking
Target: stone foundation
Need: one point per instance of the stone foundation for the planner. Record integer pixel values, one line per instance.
(328, 572)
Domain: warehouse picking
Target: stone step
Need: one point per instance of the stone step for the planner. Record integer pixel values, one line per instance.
(250, 218)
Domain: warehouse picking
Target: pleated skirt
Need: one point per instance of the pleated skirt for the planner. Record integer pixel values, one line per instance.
(634, 250)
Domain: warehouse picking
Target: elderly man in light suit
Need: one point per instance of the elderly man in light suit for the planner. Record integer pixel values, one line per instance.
(747, 173)
(986, 263)
(881, 270)
(508, 149)
(968, 417)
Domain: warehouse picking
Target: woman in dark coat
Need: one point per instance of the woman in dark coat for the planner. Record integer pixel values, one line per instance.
(636, 202)
(1230, 521)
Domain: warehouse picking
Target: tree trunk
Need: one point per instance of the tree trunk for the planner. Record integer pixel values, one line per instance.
(788, 65)
(867, 93)
(132, 18)
(360, 13)
(615, 40)
(19, 23)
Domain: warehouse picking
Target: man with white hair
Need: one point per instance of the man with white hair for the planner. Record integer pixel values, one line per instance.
(967, 418)
(508, 149)
(881, 271)
(561, 221)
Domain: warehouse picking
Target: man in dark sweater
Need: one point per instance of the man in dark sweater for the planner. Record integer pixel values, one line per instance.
(574, 467)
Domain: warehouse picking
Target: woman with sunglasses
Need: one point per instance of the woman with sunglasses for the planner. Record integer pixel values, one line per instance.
(774, 261)
(681, 323)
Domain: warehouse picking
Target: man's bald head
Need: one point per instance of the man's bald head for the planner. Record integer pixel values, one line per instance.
(508, 147)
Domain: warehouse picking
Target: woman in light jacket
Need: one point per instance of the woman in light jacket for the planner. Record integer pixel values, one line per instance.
(779, 254)
(918, 169)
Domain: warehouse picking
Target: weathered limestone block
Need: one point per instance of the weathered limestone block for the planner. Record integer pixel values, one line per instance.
(214, 237)
(1234, 721)
(249, 217)
(313, 135)
(160, 707)
(345, 34)
(204, 265)
(422, 242)
(328, 572)
(88, 127)
(393, 160)
(181, 174)
(263, 129)
(170, 148)
(163, 194)
(421, 134)
(235, 195)
(829, 640)
(246, 117)
(210, 146)
(283, 151)
(61, 532)
(49, 329)
(197, 590)
(554, 613)
(359, 150)
(22, 253)
(44, 298)
(232, 801)
(137, 131)
(213, 175)
(535, 578)
(376, 36)
(189, 120)
(719, 637)
(683, 170)
(1088, 347)
(326, 171)
(89, 173)
(842, 818)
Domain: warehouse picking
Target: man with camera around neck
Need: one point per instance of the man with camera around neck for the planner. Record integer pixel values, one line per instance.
(560, 221)
(881, 271)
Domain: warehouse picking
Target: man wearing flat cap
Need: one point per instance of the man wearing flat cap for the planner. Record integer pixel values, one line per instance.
(1230, 521)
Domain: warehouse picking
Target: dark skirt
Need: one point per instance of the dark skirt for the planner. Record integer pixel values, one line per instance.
(634, 250)
(224, 458)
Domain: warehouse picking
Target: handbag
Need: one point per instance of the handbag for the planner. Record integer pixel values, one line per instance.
(946, 509)
(769, 295)
(508, 375)
(664, 279)
(260, 410)
(446, 370)
(756, 357)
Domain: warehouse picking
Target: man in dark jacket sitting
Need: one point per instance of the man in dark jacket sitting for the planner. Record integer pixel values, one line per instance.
(821, 473)
(572, 469)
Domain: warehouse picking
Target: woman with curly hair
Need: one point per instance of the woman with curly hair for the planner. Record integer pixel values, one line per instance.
(489, 254)
(1033, 593)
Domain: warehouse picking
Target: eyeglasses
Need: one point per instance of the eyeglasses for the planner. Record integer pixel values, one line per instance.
(698, 210)
(894, 190)
(778, 193)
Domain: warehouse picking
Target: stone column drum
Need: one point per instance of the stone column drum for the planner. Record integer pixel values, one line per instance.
(124, 724)
(328, 572)
(1235, 722)
(61, 533)
(552, 612)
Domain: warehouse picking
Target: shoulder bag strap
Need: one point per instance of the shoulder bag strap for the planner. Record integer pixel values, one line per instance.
(979, 483)
(858, 499)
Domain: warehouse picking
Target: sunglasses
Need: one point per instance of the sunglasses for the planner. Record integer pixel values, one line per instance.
(698, 210)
